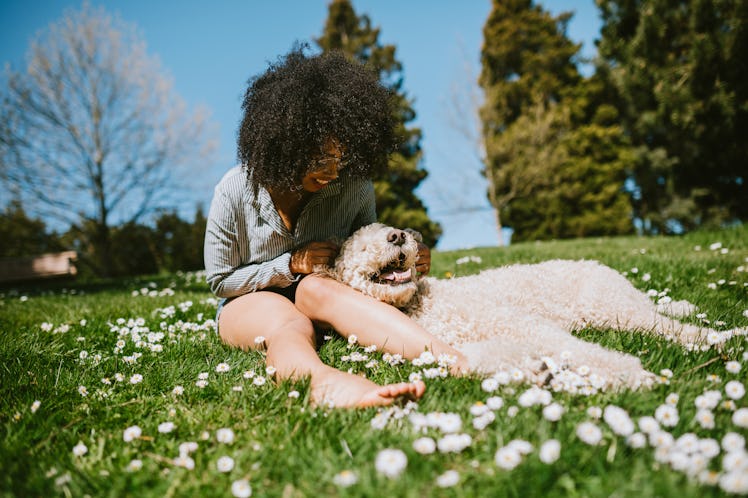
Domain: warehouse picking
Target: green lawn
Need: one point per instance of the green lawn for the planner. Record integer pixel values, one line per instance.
(82, 365)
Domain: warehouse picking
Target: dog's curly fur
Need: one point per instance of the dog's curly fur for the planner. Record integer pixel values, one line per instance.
(519, 316)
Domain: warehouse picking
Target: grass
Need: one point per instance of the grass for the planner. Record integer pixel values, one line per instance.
(56, 339)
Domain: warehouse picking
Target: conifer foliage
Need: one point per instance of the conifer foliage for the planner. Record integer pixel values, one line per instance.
(680, 71)
(556, 160)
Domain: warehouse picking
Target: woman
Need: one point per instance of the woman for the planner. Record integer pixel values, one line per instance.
(314, 131)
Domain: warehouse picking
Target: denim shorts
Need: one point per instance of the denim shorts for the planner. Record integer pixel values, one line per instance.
(287, 292)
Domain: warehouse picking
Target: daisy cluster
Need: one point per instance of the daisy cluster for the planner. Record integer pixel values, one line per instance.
(225, 464)
(712, 457)
(562, 376)
(127, 342)
(717, 248)
(469, 259)
(698, 434)
(428, 366)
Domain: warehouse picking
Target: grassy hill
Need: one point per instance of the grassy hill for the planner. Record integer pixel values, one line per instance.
(103, 385)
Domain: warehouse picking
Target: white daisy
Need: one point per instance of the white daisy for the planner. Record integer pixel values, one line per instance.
(732, 441)
(391, 462)
(424, 445)
(187, 447)
(131, 433)
(495, 403)
(550, 451)
(636, 440)
(225, 436)
(734, 389)
(241, 489)
(80, 449)
(594, 412)
(553, 412)
(345, 478)
(184, 461)
(732, 367)
(705, 419)
(667, 415)
(225, 464)
(618, 420)
(490, 384)
(507, 458)
(589, 433)
(522, 446)
(735, 482)
(648, 425)
(166, 427)
(448, 479)
(740, 418)
(454, 443)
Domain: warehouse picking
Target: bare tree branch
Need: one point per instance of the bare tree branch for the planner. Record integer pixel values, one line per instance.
(93, 130)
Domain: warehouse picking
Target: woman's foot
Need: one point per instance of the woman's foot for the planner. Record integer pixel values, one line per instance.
(342, 390)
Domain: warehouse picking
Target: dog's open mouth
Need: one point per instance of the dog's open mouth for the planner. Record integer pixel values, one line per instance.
(394, 273)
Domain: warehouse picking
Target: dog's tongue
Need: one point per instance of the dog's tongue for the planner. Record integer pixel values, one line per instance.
(397, 276)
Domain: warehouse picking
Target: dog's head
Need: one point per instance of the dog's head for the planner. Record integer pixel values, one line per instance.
(379, 261)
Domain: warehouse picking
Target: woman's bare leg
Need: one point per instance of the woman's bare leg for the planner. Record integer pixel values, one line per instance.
(348, 311)
(289, 340)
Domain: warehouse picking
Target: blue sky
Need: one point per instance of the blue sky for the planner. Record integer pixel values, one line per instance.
(211, 48)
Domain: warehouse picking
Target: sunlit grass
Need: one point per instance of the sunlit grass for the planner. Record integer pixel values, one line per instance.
(58, 343)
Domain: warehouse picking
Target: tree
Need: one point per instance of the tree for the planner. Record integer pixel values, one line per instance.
(682, 82)
(179, 244)
(397, 204)
(563, 179)
(93, 133)
(527, 64)
(24, 236)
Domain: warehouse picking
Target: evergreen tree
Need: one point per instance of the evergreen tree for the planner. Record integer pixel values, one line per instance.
(555, 159)
(571, 175)
(397, 204)
(526, 59)
(526, 62)
(680, 72)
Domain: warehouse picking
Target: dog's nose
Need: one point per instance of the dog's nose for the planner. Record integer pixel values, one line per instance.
(396, 237)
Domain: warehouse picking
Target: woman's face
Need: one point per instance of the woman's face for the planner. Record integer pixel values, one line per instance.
(326, 166)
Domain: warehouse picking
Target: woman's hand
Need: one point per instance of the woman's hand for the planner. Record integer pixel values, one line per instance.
(423, 260)
(304, 258)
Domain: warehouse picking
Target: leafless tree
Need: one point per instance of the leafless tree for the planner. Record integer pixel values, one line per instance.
(93, 132)
(463, 113)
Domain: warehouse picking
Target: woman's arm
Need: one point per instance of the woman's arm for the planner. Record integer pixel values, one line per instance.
(226, 275)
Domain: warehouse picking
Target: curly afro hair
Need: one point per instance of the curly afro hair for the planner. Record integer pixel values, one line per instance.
(291, 109)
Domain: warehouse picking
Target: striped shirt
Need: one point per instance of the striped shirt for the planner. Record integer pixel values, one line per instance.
(247, 246)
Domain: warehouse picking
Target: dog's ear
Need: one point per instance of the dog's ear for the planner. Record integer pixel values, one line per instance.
(416, 235)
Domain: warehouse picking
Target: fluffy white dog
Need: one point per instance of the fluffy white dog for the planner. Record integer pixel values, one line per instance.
(519, 316)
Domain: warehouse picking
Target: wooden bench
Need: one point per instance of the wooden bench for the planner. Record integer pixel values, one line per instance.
(59, 264)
